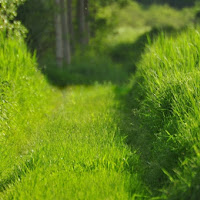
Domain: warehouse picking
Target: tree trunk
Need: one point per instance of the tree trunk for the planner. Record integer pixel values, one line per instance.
(58, 34)
(70, 25)
(81, 22)
(87, 27)
(65, 33)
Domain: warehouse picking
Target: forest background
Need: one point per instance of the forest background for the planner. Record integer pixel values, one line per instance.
(70, 34)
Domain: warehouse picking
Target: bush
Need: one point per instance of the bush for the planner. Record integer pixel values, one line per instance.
(8, 25)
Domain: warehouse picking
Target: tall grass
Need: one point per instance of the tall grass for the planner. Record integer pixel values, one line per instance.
(23, 96)
(166, 100)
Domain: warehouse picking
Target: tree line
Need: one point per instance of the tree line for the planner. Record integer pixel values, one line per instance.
(65, 26)
(174, 3)
(61, 27)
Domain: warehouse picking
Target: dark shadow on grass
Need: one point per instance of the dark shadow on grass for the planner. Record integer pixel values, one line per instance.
(139, 138)
(129, 54)
(86, 70)
(19, 171)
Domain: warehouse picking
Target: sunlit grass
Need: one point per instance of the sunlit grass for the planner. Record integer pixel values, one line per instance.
(80, 153)
(60, 144)
(167, 104)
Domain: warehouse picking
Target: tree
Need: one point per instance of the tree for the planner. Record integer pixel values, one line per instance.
(87, 26)
(81, 21)
(65, 33)
(58, 35)
(59, 14)
(70, 26)
(8, 13)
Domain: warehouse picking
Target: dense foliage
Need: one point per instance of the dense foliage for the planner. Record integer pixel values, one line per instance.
(174, 3)
(8, 13)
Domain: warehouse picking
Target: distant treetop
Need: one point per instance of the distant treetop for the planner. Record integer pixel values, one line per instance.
(173, 3)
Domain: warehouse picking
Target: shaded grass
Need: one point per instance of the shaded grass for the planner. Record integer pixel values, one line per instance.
(85, 70)
(128, 54)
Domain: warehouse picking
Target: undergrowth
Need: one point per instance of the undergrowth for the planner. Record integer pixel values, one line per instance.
(86, 69)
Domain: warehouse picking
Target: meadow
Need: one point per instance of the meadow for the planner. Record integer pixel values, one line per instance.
(122, 123)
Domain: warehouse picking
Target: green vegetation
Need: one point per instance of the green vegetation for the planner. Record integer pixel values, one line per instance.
(23, 93)
(118, 44)
(173, 3)
(67, 142)
(8, 24)
(124, 123)
(81, 154)
(165, 99)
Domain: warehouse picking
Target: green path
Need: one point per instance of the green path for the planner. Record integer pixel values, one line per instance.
(81, 153)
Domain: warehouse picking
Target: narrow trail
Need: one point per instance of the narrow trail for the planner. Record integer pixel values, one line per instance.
(82, 152)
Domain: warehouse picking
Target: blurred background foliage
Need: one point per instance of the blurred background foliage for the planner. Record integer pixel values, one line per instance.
(104, 17)
(8, 13)
(111, 23)
(173, 3)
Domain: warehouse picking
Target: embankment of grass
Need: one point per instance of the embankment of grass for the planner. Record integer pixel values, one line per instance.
(24, 94)
(164, 99)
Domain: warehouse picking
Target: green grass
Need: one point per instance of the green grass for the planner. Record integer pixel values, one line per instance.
(165, 99)
(102, 140)
(23, 93)
(81, 154)
(60, 144)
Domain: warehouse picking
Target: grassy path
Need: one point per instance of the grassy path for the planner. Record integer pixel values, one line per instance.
(81, 152)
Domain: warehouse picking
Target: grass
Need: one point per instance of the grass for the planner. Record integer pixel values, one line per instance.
(60, 144)
(81, 154)
(164, 97)
(103, 140)
(23, 93)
